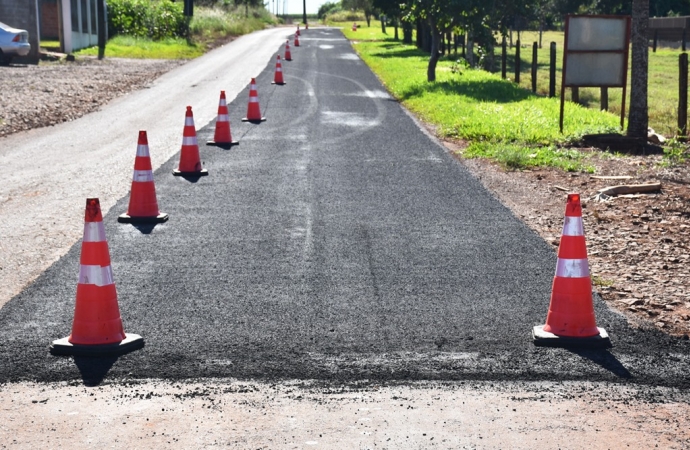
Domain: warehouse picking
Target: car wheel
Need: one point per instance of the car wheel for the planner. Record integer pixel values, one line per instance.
(4, 60)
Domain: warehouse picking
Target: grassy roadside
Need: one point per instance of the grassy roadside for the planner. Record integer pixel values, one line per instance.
(500, 120)
(663, 73)
(208, 26)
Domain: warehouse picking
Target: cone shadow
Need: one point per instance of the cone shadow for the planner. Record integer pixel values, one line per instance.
(604, 359)
(223, 145)
(94, 369)
(191, 178)
(145, 228)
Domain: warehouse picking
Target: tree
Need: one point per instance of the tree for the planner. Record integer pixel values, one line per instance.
(390, 8)
(441, 16)
(365, 5)
(638, 120)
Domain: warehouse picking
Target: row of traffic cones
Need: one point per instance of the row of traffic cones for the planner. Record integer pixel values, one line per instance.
(97, 326)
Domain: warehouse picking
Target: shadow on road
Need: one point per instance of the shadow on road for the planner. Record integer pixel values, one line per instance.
(145, 228)
(605, 359)
(94, 369)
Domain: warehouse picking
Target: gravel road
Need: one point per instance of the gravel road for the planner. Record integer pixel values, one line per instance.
(35, 96)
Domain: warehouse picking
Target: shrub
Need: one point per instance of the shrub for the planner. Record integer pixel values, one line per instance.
(346, 16)
(155, 19)
(328, 8)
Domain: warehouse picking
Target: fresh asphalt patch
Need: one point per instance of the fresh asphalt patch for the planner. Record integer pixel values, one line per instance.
(337, 242)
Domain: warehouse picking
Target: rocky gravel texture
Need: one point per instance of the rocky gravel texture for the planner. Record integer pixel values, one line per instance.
(41, 95)
(639, 245)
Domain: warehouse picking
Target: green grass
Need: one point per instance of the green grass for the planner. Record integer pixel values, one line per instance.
(50, 44)
(130, 47)
(663, 73)
(501, 120)
(365, 33)
(663, 79)
(207, 26)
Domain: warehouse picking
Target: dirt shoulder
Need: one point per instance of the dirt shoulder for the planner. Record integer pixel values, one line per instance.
(638, 245)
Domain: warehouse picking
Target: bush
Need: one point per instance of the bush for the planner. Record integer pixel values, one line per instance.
(155, 19)
(328, 8)
(346, 16)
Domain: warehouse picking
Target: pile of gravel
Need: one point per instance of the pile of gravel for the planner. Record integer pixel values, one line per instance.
(36, 96)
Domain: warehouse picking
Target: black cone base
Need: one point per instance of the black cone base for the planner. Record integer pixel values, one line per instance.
(545, 339)
(160, 218)
(64, 347)
(200, 173)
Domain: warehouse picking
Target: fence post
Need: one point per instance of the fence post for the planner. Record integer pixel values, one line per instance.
(683, 96)
(504, 57)
(535, 61)
(656, 34)
(517, 61)
(604, 99)
(552, 70)
(575, 94)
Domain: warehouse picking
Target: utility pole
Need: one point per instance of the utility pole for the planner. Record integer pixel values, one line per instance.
(304, 14)
(100, 13)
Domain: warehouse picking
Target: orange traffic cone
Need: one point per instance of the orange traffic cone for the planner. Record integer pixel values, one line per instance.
(222, 136)
(97, 326)
(296, 40)
(354, 26)
(298, 33)
(253, 111)
(190, 162)
(288, 55)
(570, 321)
(143, 206)
(306, 26)
(278, 77)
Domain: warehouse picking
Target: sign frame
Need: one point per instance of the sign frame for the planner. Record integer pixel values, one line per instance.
(591, 53)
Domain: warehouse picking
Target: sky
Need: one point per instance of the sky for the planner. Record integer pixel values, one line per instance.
(294, 6)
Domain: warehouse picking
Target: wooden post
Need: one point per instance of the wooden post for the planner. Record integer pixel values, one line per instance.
(575, 94)
(683, 96)
(656, 34)
(504, 58)
(535, 61)
(552, 70)
(604, 99)
(684, 36)
(517, 61)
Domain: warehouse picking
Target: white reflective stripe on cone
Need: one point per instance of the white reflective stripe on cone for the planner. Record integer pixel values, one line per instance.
(572, 268)
(189, 140)
(97, 275)
(143, 151)
(222, 103)
(189, 121)
(253, 99)
(223, 118)
(142, 175)
(278, 69)
(572, 226)
(94, 232)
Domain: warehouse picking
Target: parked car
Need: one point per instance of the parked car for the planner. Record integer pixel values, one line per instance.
(13, 42)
